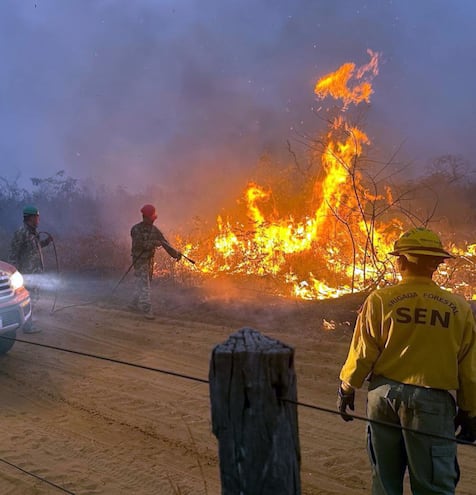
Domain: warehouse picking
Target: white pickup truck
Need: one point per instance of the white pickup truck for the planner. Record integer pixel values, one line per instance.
(15, 306)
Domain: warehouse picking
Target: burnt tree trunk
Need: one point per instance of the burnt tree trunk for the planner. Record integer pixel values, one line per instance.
(257, 431)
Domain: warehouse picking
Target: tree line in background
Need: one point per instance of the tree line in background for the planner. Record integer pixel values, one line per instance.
(91, 224)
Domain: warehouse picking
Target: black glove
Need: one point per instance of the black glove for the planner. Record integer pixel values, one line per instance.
(345, 399)
(466, 425)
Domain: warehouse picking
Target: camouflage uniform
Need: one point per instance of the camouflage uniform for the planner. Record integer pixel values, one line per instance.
(26, 255)
(145, 239)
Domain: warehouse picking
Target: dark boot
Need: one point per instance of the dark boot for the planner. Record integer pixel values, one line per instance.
(30, 327)
(149, 315)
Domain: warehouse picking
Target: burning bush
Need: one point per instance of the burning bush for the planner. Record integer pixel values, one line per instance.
(330, 234)
(313, 232)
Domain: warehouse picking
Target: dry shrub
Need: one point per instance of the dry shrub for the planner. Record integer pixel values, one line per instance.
(89, 254)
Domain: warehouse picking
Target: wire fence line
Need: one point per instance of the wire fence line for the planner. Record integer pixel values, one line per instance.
(381, 423)
(92, 356)
(40, 478)
(204, 381)
(111, 360)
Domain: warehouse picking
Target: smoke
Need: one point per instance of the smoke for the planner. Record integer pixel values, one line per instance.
(179, 99)
(43, 281)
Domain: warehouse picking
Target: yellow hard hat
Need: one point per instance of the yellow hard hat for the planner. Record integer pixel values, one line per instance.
(419, 242)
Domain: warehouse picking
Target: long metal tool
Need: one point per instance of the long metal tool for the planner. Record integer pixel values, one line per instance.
(127, 271)
(181, 254)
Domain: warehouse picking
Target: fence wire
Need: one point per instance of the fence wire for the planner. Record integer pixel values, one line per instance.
(40, 478)
(379, 422)
(203, 380)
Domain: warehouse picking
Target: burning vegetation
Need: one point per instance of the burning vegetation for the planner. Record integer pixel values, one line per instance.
(312, 231)
(323, 233)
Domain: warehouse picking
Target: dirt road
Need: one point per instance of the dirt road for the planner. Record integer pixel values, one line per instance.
(96, 427)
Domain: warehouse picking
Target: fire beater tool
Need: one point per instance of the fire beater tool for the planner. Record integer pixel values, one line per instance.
(134, 262)
(181, 254)
(117, 284)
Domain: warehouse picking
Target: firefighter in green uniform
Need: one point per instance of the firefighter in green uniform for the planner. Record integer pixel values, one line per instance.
(416, 344)
(146, 238)
(27, 257)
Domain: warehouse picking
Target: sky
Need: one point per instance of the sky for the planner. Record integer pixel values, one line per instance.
(189, 94)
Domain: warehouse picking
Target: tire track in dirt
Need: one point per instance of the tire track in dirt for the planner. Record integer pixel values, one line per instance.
(99, 427)
(101, 423)
(102, 417)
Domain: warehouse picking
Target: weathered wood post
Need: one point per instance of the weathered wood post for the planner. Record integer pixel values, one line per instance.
(257, 432)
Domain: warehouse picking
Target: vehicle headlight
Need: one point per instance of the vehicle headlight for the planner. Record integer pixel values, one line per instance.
(16, 280)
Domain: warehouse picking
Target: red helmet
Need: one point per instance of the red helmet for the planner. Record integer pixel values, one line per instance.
(149, 212)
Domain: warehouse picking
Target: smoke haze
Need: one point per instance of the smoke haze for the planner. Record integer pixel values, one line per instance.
(185, 95)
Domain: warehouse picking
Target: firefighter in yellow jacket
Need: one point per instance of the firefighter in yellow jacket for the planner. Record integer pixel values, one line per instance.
(416, 344)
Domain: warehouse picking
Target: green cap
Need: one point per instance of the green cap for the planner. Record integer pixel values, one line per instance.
(30, 210)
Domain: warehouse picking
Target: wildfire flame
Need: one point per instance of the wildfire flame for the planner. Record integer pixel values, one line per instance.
(332, 240)
(337, 84)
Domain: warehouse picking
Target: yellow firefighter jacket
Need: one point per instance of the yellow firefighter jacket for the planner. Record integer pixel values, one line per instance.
(416, 333)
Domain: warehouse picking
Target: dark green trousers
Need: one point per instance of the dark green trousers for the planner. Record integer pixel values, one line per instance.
(431, 462)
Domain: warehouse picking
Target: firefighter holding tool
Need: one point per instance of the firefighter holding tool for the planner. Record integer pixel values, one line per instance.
(146, 238)
(27, 256)
(416, 344)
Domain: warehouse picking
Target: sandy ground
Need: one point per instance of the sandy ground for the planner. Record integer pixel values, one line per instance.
(95, 427)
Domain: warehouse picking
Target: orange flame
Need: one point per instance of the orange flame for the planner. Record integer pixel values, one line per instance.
(330, 241)
(337, 84)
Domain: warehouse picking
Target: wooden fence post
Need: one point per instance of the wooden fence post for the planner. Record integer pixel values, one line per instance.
(257, 432)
